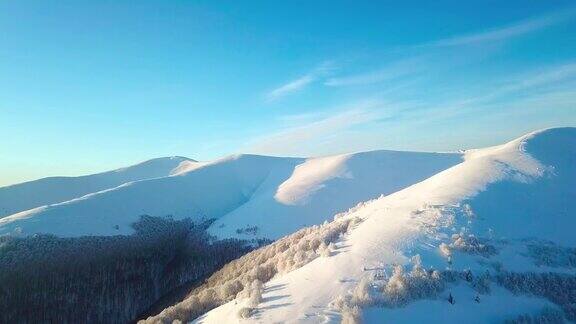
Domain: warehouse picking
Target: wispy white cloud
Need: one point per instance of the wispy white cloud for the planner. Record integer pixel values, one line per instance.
(555, 83)
(311, 135)
(531, 81)
(507, 32)
(393, 71)
(295, 119)
(542, 77)
(300, 83)
(290, 87)
(370, 124)
(435, 58)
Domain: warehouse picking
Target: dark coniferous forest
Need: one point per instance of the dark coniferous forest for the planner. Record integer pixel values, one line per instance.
(111, 279)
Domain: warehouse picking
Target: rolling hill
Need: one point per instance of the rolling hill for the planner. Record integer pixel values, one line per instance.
(250, 196)
(46, 191)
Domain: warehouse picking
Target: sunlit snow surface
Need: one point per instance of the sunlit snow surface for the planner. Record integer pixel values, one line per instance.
(507, 194)
(27, 195)
(277, 195)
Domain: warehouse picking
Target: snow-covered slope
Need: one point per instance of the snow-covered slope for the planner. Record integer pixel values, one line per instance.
(251, 196)
(318, 188)
(517, 201)
(27, 195)
(208, 191)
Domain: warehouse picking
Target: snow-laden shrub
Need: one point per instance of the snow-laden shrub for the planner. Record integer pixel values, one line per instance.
(361, 294)
(472, 245)
(348, 309)
(253, 292)
(314, 244)
(445, 250)
(402, 287)
(395, 290)
(467, 211)
(263, 272)
(230, 289)
(352, 315)
(323, 250)
(245, 312)
(398, 290)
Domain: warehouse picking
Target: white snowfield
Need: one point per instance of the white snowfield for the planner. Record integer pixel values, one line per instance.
(315, 189)
(269, 196)
(525, 189)
(46, 191)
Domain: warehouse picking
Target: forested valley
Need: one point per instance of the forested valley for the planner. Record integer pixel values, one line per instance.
(106, 279)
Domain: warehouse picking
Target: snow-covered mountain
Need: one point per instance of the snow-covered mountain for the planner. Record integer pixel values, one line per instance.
(487, 240)
(46, 191)
(483, 236)
(250, 196)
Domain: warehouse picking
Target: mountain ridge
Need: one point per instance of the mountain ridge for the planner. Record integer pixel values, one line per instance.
(22, 196)
(239, 191)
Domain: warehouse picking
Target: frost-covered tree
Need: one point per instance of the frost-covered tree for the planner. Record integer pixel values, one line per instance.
(245, 312)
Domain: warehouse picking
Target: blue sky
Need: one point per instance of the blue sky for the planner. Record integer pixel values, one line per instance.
(87, 86)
